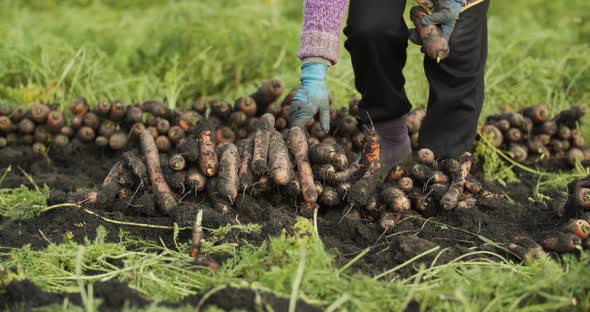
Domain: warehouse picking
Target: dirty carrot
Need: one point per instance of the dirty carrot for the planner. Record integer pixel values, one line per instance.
(329, 153)
(177, 162)
(394, 199)
(208, 160)
(86, 134)
(395, 174)
(329, 197)
(79, 106)
(425, 156)
(195, 180)
(459, 175)
(281, 169)
(162, 191)
(118, 141)
(406, 184)
(433, 42)
(39, 112)
(55, 120)
(579, 227)
(163, 143)
(224, 134)
(298, 147)
(200, 105)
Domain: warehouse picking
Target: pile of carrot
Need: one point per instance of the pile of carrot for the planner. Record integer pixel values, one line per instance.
(532, 134)
(115, 126)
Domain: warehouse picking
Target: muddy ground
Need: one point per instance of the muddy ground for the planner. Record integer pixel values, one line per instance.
(83, 167)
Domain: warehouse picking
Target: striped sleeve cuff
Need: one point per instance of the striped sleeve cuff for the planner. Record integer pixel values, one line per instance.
(319, 44)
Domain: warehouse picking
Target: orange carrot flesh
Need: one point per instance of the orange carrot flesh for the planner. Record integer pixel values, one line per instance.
(208, 160)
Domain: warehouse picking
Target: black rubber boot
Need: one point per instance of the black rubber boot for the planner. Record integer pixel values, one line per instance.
(395, 141)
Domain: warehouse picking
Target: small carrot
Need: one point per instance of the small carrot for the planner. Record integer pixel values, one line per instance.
(329, 153)
(459, 175)
(61, 140)
(406, 184)
(208, 160)
(579, 227)
(79, 106)
(548, 127)
(425, 156)
(200, 105)
(134, 115)
(574, 156)
(118, 141)
(55, 120)
(102, 108)
(91, 120)
(107, 128)
(39, 149)
(86, 134)
(5, 123)
(273, 108)
(394, 199)
(537, 113)
(267, 93)
(582, 197)
(281, 123)
(76, 121)
(329, 197)
(177, 162)
(101, 141)
(494, 134)
(188, 120)
(221, 109)
(561, 242)
(518, 152)
(224, 134)
(195, 180)
(39, 112)
(118, 110)
(395, 174)
(163, 143)
(163, 126)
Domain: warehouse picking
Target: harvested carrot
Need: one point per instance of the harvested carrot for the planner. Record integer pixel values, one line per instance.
(582, 197)
(162, 191)
(26, 139)
(561, 242)
(317, 131)
(246, 105)
(228, 181)
(502, 124)
(116, 171)
(371, 148)
(342, 189)
(39, 149)
(425, 156)
(107, 128)
(208, 160)
(518, 152)
(494, 134)
(312, 141)
(118, 110)
(79, 106)
(238, 119)
(224, 134)
(394, 199)
(251, 124)
(578, 141)
(175, 134)
(41, 134)
(325, 173)
(200, 105)
(150, 120)
(163, 143)
(188, 120)
(514, 135)
(163, 126)
(574, 156)
(195, 180)
(118, 141)
(329, 197)
(281, 123)
(91, 120)
(133, 115)
(61, 140)
(39, 112)
(525, 248)
(261, 144)
(548, 127)
(86, 134)
(329, 153)
(281, 169)
(77, 121)
(421, 173)
(459, 175)
(101, 141)
(267, 93)
(5, 123)
(221, 109)
(579, 227)
(406, 184)
(273, 108)
(55, 121)
(177, 162)
(537, 113)
(138, 168)
(347, 174)
(468, 203)
(571, 116)
(395, 174)
(414, 120)
(197, 235)
(362, 189)
(565, 132)
(433, 42)
(319, 188)
(298, 147)
(346, 125)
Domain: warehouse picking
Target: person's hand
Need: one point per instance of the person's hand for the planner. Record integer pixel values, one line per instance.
(311, 98)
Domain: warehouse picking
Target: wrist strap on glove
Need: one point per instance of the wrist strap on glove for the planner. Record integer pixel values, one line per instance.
(468, 4)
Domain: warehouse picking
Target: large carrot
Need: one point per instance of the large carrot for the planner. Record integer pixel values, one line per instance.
(244, 172)
(281, 169)
(372, 148)
(435, 45)
(137, 166)
(261, 143)
(366, 186)
(208, 160)
(394, 199)
(228, 182)
(298, 146)
(162, 191)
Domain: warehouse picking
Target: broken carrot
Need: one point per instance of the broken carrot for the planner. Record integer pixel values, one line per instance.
(208, 160)
(298, 146)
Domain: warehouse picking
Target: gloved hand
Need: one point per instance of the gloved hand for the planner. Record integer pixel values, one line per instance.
(311, 98)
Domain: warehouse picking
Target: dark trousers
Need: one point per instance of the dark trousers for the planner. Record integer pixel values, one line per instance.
(377, 38)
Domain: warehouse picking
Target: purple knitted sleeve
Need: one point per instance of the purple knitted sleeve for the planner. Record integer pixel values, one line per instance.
(322, 23)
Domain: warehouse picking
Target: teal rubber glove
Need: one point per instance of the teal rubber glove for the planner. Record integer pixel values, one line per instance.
(311, 98)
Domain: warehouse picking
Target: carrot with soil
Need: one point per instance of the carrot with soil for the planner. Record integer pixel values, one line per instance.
(298, 146)
(162, 191)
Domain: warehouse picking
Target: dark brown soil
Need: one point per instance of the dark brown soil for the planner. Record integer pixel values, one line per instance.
(68, 172)
(25, 296)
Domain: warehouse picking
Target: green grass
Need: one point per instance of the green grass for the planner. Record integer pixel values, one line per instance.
(298, 267)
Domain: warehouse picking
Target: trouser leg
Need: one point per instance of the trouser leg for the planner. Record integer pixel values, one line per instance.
(457, 87)
(377, 40)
